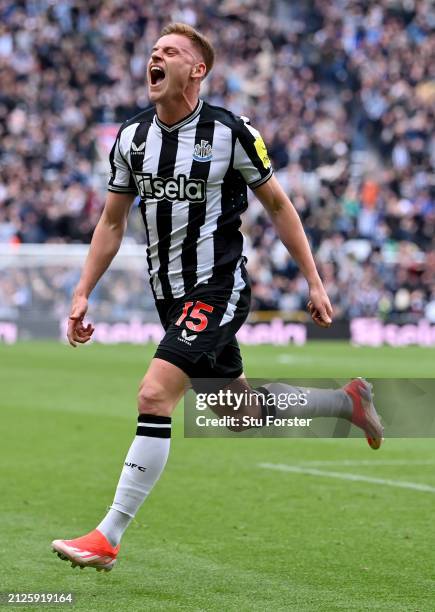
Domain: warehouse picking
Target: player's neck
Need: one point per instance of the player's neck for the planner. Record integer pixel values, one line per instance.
(174, 111)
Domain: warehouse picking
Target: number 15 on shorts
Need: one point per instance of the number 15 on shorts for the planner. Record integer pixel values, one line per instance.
(196, 314)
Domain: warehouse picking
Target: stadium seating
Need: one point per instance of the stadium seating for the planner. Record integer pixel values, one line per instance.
(343, 94)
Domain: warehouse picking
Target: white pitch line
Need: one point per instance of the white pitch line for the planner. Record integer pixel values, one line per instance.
(352, 462)
(297, 469)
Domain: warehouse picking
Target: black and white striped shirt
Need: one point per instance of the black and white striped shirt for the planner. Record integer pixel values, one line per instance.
(191, 178)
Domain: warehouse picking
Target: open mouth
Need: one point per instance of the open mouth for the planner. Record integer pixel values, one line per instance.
(157, 75)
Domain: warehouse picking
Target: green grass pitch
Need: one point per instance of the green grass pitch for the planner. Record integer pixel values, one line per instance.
(218, 532)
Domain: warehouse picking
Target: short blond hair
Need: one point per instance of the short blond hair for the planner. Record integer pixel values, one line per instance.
(201, 42)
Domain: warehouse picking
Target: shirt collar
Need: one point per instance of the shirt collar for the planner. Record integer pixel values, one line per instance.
(177, 126)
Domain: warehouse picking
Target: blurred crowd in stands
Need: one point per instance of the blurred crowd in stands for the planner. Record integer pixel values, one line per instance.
(343, 92)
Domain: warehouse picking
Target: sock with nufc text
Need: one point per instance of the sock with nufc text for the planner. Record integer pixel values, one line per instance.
(305, 402)
(143, 466)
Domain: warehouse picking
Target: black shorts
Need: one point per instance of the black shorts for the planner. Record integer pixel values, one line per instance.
(201, 327)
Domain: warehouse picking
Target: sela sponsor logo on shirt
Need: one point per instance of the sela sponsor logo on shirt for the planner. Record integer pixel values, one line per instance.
(186, 338)
(202, 151)
(174, 189)
(137, 149)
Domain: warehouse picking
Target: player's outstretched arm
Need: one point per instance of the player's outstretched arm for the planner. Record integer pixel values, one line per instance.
(291, 232)
(105, 243)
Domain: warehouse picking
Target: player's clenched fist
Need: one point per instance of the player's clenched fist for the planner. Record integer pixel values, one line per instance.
(320, 307)
(77, 332)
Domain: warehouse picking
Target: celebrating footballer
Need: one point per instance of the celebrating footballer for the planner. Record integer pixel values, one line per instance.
(191, 164)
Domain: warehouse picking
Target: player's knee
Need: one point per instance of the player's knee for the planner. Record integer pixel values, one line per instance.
(248, 416)
(153, 399)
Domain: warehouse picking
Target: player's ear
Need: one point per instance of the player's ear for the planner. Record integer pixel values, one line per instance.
(198, 71)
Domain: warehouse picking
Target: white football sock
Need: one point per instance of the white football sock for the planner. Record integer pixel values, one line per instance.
(113, 525)
(319, 402)
(143, 466)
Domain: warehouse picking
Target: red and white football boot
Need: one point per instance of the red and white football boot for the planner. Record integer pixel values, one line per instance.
(364, 412)
(91, 550)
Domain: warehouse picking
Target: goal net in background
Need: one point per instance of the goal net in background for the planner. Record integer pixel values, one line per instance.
(37, 282)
